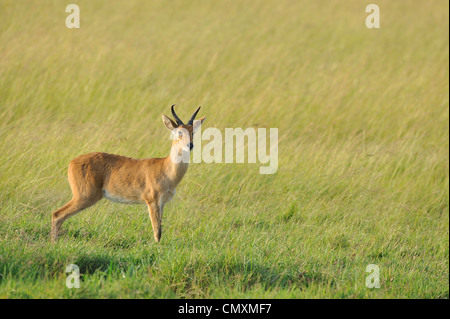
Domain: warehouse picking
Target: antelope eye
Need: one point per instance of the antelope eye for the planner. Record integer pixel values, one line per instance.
(180, 134)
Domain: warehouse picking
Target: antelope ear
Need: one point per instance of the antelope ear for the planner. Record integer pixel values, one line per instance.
(171, 125)
(197, 124)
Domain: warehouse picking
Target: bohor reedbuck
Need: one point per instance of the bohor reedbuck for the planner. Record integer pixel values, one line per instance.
(131, 181)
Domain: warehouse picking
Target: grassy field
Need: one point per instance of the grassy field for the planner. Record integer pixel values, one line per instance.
(363, 171)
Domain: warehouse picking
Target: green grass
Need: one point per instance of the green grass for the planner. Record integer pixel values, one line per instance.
(363, 170)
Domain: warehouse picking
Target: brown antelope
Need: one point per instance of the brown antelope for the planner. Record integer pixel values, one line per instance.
(132, 181)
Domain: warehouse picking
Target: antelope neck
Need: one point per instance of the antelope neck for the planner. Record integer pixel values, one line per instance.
(176, 170)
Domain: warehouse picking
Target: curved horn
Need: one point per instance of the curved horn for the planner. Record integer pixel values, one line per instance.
(191, 121)
(177, 119)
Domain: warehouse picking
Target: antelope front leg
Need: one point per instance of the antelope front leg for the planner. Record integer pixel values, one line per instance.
(156, 218)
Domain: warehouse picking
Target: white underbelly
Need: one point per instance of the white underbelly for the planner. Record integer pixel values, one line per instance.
(119, 199)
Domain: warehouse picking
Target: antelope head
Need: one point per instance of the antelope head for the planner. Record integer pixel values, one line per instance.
(182, 134)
